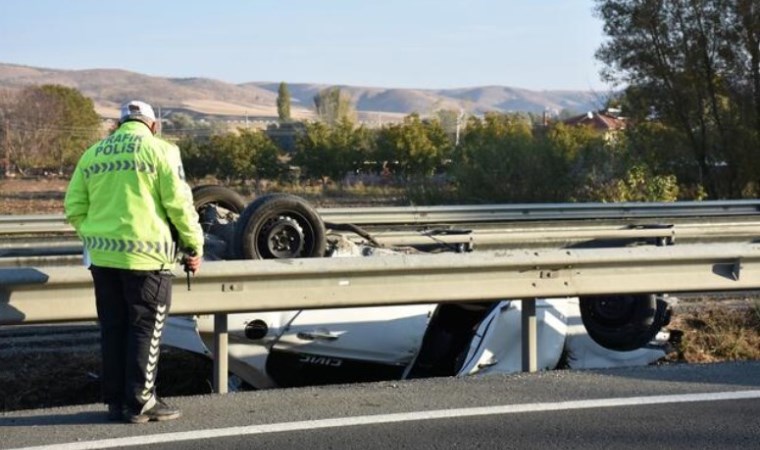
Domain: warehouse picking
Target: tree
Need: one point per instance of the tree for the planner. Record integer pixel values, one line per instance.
(46, 127)
(265, 157)
(416, 147)
(694, 66)
(79, 124)
(241, 156)
(742, 55)
(451, 122)
(330, 152)
(27, 135)
(180, 124)
(198, 156)
(283, 102)
(333, 105)
(449, 119)
(500, 160)
(235, 159)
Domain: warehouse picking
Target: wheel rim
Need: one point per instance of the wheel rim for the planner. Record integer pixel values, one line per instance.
(279, 226)
(282, 237)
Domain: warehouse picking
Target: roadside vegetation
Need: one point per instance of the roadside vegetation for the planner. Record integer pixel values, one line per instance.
(689, 98)
(716, 331)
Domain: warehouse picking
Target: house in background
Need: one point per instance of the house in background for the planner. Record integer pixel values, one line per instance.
(608, 122)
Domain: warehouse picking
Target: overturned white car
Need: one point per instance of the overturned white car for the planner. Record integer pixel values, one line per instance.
(322, 346)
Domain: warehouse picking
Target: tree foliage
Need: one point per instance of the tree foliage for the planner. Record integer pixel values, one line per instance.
(333, 105)
(416, 148)
(283, 102)
(501, 157)
(198, 158)
(641, 185)
(265, 157)
(500, 160)
(242, 156)
(694, 66)
(507, 158)
(181, 124)
(330, 152)
(79, 123)
(46, 127)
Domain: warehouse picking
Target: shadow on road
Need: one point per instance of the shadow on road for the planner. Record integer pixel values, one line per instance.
(80, 418)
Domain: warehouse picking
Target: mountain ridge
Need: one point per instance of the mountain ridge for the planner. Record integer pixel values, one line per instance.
(108, 88)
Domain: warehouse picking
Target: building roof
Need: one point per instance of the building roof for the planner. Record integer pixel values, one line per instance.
(600, 121)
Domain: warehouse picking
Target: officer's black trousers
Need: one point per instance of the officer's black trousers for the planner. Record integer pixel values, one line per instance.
(132, 309)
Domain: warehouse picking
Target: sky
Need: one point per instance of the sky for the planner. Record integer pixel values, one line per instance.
(422, 44)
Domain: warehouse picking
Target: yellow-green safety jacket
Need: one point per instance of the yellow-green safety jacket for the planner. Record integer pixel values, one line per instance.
(124, 193)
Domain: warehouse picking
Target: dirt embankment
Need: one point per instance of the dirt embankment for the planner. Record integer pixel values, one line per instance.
(35, 196)
(35, 378)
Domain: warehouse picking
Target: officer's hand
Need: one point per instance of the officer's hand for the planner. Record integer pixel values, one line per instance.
(192, 263)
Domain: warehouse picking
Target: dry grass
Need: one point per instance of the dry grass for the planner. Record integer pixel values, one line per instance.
(714, 332)
(357, 195)
(32, 196)
(45, 195)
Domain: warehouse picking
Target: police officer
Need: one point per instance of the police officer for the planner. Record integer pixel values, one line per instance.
(125, 196)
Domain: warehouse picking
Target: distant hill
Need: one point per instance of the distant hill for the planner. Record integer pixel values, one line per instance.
(203, 96)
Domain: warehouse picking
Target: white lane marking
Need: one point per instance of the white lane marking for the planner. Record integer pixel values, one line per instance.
(398, 417)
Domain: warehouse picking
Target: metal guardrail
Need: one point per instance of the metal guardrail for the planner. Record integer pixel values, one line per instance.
(547, 235)
(47, 240)
(421, 215)
(36, 295)
(33, 251)
(534, 211)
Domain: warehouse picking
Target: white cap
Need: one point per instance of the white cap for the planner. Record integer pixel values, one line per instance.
(137, 110)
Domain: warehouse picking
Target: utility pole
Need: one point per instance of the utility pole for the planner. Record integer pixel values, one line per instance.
(160, 119)
(7, 147)
(160, 125)
(460, 121)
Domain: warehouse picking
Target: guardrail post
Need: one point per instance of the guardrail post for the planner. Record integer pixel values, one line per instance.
(221, 338)
(529, 336)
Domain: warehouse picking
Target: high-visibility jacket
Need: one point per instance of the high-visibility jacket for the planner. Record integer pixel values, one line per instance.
(125, 193)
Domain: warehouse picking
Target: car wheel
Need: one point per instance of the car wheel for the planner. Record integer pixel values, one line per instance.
(280, 226)
(624, 322)
(216, 205)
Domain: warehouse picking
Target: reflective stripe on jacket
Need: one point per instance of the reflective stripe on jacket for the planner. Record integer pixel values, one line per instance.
(124, 193)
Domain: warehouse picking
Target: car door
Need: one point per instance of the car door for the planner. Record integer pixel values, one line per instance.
(348, 345)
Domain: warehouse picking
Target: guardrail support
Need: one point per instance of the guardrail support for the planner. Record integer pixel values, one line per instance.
(221, 338)
(529, 336)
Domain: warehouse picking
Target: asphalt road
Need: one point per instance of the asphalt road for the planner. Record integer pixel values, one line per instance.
(674, 406)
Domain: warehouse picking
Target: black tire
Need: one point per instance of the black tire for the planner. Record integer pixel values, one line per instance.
(280, 226)
(216, 205)
(624, 322)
